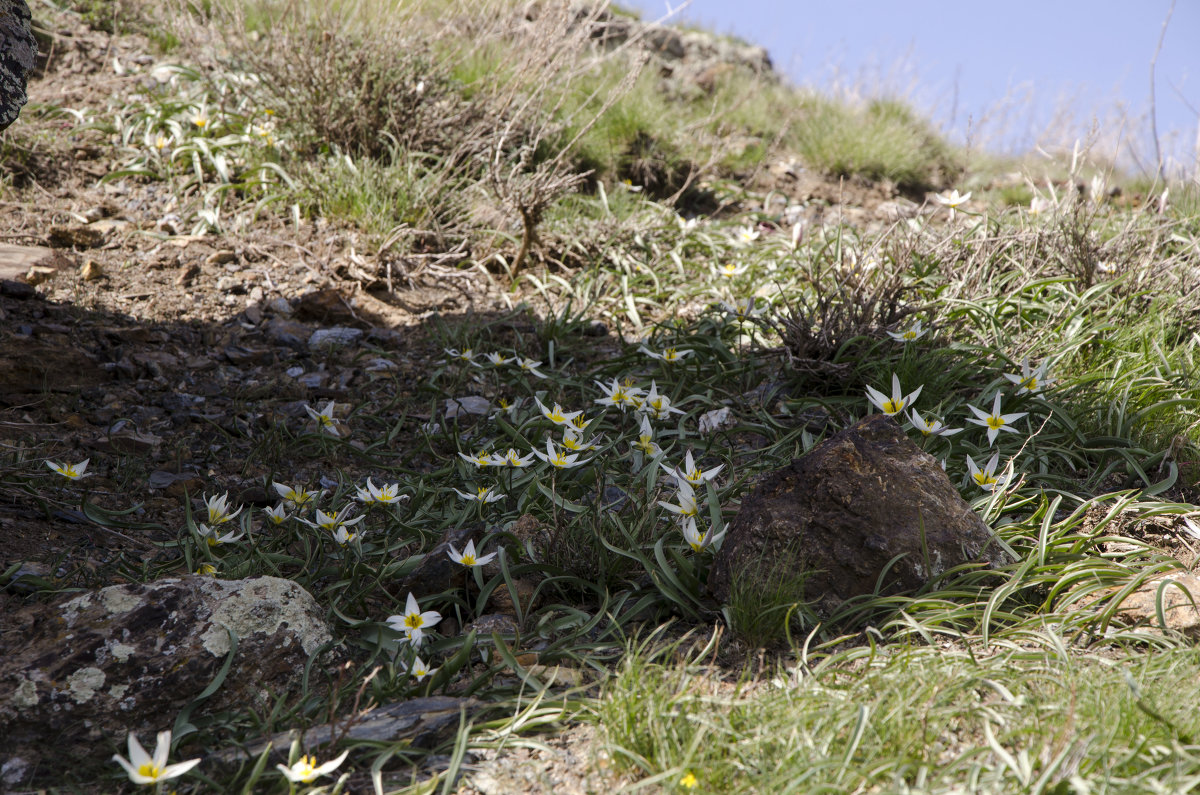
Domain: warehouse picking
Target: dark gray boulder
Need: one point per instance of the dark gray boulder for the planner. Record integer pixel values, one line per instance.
(841, 513)
(18, 51)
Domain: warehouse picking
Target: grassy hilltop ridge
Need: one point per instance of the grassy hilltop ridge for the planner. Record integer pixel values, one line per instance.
(497, 270)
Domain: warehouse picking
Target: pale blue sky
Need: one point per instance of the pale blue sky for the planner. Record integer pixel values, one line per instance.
(1008, 66)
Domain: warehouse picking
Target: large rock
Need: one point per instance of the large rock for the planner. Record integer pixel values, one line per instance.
(18, 52)
(76, 676)
(844, 511)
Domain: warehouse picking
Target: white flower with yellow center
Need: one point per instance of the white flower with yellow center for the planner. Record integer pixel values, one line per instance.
(70, 471)
(466, 354)
(330, 522)
(146, 769)
(306, 770)
(324, 418)
(218, 509)
(686, 505)
(953, 200)
(482, 494)
(413, 623)
(297, 498)
(657, 406)
(419, 669)
(386, 494)
(668, 355)
(468, 557)
(214, 539)
(559, 459)
(556, 414)
(1029, 381)
(691, 473)
(898, 400)
(742, 310)
(745, 235)
(695, 539)
(480, 459)
(914, 332)
(986, 478)
(645, 442)
(511, 458)
(531, 367)
(497, 359)
(364, 493)
(995, 422)
(731, 269)
(573, 441)
(619, 395)
(930, 427)
(278, 514)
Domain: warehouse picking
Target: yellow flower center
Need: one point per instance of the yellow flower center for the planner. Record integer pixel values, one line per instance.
(468, 560)
(910, 335)
(214, 542)
(150, 770)
(306, 768)
(413, 621)
(1031, 384)
(892, 406)
(995, 423)
(670, 355)
(984, 479)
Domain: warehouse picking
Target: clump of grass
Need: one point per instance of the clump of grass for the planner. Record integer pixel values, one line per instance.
(768, 606)
(885, 140)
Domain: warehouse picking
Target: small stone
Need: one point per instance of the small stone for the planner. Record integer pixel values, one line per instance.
(107, 226)
(287, 332)
(280, 306)
(221, 257)
(39, 274)
(187, 275)
(91, 271)
(336, 336)
(232, 285)
(253, 314)
(471, 404)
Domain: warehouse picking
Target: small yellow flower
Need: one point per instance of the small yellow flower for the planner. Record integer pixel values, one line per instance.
(688, 781)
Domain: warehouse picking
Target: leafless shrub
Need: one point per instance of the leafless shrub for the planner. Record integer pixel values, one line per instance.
(849, 303)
